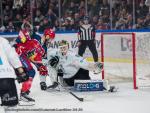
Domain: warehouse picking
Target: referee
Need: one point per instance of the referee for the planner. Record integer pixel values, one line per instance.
(86, 38)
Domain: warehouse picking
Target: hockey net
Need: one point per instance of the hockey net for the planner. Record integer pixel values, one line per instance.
(126, 58)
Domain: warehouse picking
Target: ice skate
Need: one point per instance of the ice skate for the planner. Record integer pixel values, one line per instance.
(26, 100)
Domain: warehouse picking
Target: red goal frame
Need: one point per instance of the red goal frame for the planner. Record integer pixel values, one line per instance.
(133, 54)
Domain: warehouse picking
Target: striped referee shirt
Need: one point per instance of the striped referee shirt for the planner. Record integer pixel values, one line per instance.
(86, 32)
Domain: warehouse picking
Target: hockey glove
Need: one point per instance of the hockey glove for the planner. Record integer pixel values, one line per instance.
(21, 76)
(54, 61)
(43, 85)
(98, 68)
(60, 71)
(43, 70)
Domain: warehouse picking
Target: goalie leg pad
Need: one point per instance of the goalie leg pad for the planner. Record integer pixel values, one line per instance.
(88, 85)
(82, 74)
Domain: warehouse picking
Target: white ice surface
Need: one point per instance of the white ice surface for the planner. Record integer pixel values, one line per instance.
(126, 100)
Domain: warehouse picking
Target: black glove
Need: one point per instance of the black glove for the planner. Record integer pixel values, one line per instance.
(60, 71)
(21, 77)
(43, 85)
(54, 61)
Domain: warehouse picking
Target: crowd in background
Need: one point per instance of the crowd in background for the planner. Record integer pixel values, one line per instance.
(45, 13)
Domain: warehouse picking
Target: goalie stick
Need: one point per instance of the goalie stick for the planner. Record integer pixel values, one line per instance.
(78, 98)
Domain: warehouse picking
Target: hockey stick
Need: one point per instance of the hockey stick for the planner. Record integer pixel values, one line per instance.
(79, 98)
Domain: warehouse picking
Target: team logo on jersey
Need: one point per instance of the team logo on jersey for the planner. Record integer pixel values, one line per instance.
(7, 98)
(1, 61)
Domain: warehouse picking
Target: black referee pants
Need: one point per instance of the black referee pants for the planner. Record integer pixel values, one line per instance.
(92, 47)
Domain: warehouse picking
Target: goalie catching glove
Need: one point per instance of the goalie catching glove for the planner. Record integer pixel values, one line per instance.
(21, 75)
(54, 61)
(98, 67)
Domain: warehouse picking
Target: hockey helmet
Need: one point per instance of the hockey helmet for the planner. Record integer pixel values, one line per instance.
(49, 33)
(63, 46)
(24, 36)
(86, 20)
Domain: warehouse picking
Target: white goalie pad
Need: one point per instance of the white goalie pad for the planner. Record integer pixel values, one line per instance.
(52, 74)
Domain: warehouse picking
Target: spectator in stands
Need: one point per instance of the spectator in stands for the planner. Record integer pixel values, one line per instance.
(76, 18)
(17, 22)
(66, 25)
(45, 24)
(82, 9)
(6, 20)
(93, 7)
(75, 9)
(143, 9)
(38, 17)
(10, 27)
(94, 20)
(140, 23)
(7, 14)
(101, 25)
(2, 28)
(51, 16)
(45, 6)
(147, 21)
(104, 8)
(129, 22)
(120, 24)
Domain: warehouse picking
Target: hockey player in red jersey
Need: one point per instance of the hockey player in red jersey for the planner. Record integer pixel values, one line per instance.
(45, 41)
(30, 51)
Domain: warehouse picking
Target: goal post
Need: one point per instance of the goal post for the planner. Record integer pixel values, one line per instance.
(133, 41)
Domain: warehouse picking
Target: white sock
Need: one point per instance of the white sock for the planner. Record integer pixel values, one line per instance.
(42, 78)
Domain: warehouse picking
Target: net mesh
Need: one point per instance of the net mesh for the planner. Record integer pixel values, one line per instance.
(118, 63)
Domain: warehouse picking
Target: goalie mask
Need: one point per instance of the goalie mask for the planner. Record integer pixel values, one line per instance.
(63, 47)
